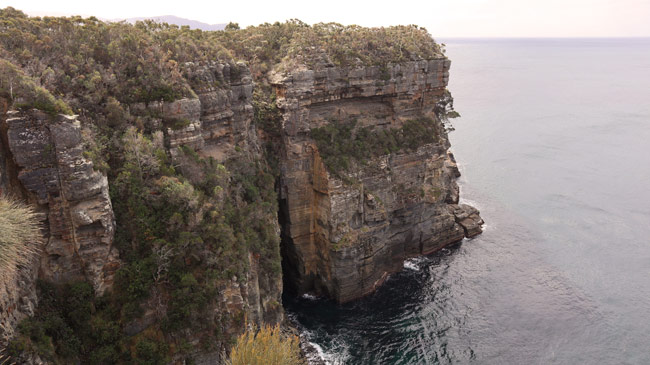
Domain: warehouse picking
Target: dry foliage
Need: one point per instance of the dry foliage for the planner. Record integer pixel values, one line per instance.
(19, 231)
(268, 346)
(5, 359)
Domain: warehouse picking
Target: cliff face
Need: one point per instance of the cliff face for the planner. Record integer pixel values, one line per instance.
(42, 160)
(218, 119)
(220, 126)
(73, 196)
(187, 244)
(345, 233)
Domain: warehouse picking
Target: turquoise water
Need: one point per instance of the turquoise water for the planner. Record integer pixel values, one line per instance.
(554, 148)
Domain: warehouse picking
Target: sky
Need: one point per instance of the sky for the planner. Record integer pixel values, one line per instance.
(443, 18)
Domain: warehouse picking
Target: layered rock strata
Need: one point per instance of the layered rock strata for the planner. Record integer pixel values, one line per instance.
(344, 234)
(217, 122)
(41, 160)
(77, 214)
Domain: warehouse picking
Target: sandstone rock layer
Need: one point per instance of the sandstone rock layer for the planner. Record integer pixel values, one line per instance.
(78, 216)
(345, 234)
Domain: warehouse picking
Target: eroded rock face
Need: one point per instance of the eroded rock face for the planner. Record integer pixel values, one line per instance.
(73, 197)
(218, 124)
(344, 236)
(221, 125)
(218, 119)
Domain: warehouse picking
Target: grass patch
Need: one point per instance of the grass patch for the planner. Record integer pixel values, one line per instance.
(20, 232)
(267, 346)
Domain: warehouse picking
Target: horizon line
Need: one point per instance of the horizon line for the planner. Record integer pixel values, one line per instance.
(546, 37)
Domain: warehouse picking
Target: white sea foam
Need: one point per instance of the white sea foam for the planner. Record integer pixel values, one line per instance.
(309, 296)
(411, 264)
(338, 354)
(414, 263)
(319, 352)
(469, 202)
(320, 356)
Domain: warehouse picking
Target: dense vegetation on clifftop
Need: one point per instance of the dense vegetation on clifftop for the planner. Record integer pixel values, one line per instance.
(186, 224)
(88, 63)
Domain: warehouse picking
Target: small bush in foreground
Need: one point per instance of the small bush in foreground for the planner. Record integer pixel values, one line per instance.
(19, 228)
(268, 346)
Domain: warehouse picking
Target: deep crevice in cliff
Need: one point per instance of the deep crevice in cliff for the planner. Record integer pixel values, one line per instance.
(287, 251)
(9, 183)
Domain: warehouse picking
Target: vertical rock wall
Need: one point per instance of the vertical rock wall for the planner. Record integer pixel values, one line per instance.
(219, 119)
(48, 155)
(343, 238)
(41, 161)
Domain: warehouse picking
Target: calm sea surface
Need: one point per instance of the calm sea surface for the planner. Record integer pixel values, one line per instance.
(554, 148)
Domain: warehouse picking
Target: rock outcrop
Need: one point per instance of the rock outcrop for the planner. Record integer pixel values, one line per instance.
(344, 235)
(41, 160)
(217, 120)
(54, 174)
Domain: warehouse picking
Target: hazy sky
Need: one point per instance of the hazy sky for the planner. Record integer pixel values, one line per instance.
(443, 18)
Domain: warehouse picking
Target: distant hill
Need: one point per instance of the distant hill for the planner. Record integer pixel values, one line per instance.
(171, 19)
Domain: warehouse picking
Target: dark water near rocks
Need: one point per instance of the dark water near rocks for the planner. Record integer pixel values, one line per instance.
(554, 148)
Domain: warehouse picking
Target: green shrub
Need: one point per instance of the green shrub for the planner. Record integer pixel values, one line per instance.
(295, 42)
(35, 338)
(15, 85)
(150, 352)
(186, 302)
(62, 330)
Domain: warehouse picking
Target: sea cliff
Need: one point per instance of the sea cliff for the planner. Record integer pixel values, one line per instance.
(178, 190)
(347, 230)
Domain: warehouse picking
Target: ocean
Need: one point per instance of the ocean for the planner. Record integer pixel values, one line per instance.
(553, 144)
